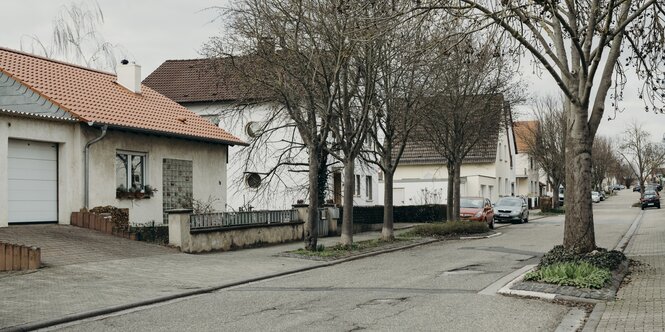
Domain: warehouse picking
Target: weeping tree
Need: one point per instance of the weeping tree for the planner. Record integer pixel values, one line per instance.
(76, 38)
(546, 141)
(586, 47)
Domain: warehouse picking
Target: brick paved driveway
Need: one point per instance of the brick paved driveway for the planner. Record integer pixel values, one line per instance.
(66, 245)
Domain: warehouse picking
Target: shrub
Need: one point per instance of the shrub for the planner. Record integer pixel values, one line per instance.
(120, 217)
(451, 228)
(600, 257)
(577, 274)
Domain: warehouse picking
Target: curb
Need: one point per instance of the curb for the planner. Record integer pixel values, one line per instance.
(480, 237)
(109, 310)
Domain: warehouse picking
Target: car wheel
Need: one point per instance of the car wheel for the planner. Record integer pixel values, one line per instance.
(642, 207)
(491, 224)
(527, 218)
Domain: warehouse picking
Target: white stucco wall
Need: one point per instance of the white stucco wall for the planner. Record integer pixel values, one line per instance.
(70, 160)
(289, 183)
(209, 166)
(208, 170)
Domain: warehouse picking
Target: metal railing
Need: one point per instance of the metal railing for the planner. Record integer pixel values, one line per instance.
(230, 219)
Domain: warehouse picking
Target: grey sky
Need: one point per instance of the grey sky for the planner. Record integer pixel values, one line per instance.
(153, 31)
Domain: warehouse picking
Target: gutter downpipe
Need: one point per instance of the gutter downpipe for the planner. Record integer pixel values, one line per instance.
(86, 166)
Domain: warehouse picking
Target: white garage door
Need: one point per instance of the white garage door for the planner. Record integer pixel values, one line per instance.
(33, 181)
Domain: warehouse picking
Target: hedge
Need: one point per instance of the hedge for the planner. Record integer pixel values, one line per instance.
(403, 213)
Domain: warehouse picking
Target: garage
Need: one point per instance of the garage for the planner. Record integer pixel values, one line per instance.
(33, 181)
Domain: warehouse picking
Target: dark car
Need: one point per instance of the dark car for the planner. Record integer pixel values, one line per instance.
(637, 188)
(513, 209)
(650, 199)
(476, 209)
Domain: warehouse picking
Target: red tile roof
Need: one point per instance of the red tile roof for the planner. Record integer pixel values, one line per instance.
(524, 130)
(206, 80)
(94, 96)
(419, 151)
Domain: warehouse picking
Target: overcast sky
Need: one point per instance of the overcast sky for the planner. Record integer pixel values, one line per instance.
(153, 31)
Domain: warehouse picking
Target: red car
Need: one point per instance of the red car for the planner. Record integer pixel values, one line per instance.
(477, 209)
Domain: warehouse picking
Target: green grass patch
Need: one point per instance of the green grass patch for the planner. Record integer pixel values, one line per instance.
(340, 250)
(601, 258)
(577, 274)
(439, 229)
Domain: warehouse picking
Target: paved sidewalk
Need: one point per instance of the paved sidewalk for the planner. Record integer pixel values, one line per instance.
(640, 304)
(68, 289)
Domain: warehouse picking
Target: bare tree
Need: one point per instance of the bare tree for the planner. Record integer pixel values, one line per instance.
(641, 154)
(403, 75)
(579, 44)
(76, 38)
(468, 106)
(603, 159)
(546, 141)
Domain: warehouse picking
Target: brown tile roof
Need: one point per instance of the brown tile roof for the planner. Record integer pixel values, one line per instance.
(523, 131)
(94, 96)
(418, 152)
(207, 80)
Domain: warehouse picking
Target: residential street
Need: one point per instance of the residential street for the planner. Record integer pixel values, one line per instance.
(430, 287)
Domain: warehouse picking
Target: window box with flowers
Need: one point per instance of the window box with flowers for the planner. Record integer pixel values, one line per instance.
(130, 172)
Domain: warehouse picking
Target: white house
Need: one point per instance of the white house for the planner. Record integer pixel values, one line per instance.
(216, 90)
(527, 172)
(73, 138)
(488, 170)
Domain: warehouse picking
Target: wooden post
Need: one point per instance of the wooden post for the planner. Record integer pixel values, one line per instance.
(86, 220)
(2, 256)
(16, 257)
(24, 258)
(9, 257)
(34, 258)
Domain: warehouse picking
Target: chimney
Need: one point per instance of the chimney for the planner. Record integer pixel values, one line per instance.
(129, 76)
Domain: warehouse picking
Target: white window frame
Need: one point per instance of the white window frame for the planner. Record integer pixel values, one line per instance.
(356, 182)
(368, 187)
(128, 175)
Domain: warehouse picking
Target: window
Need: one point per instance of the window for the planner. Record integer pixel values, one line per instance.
(130, 170)
(368, 187)
(253, 180)
(254, 128)
(357, 185)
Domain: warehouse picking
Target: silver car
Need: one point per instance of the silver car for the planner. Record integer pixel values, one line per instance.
(513, 209)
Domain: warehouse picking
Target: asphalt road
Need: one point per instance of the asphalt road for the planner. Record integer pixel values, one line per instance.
(432, 287)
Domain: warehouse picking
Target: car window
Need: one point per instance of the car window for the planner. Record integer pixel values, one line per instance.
(471, 203)
(509, 202)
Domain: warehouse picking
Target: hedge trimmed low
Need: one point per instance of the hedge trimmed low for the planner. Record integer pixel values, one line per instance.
(451, 228)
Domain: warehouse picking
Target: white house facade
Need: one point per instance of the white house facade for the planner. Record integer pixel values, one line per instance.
(256, 182)
(72, 138)
(529, 178)
(488, 171)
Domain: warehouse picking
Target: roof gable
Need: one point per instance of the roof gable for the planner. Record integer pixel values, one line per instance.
(524, 130)
(94, 96)
(207, 80)
(419, 152)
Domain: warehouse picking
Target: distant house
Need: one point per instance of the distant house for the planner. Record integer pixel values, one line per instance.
(527, 172)
(73, 138)
(487, 171)
(218, 91)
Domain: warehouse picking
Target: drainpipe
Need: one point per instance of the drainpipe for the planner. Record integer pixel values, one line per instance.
(86, 166)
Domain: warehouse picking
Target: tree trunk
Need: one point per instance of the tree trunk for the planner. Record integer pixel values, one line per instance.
(322, 175)
(347, 219)
(450, 206)
(457, 193)
(555, 194)
(311, 226)
(578, 230)
(388, 233)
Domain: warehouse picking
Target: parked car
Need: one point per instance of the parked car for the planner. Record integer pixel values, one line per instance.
(477, 209)
(659, 187)
(513, 209)
(617, 187)
(602, 195)
(650, 199)
(595, 197)
(637, 188)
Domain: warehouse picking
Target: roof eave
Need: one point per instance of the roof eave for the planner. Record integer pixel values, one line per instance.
(171, 134)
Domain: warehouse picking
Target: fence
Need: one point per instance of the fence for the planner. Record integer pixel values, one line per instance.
(16, 257)
(248, 218)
